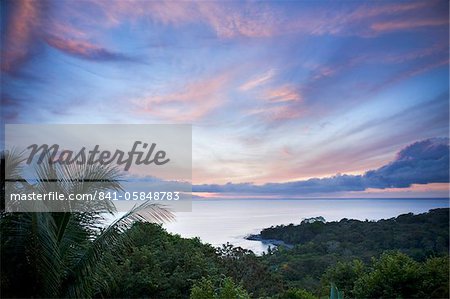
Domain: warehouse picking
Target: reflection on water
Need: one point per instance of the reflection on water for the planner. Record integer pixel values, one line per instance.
(220, 221)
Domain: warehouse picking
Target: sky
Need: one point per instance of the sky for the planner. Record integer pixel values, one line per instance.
(295, 98)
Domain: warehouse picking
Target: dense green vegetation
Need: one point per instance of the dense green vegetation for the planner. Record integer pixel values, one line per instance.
(319, 245)
(205, 289)
(161, 265)
(417, 235)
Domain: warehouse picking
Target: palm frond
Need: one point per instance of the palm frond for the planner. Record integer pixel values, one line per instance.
(31, 235)
(63, 253)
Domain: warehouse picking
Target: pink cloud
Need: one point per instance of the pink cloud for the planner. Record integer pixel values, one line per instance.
(411, 73)
(283, 94)
(187, 104)
(279, 104)
(439, 48)
(257, 81)
(277, 113)
(83, 49)
(21, 32)
(360, 20)
(426, 68)
(387, 9)
(231, 22)
(30, 22)
(407, 24)
(227, 20)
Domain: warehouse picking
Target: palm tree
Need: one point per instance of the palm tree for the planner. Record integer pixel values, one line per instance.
(54, 255)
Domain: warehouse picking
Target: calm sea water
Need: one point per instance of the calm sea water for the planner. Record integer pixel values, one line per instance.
(217, 221)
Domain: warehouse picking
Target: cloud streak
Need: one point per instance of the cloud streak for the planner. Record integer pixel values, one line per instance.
(21, 33)
(407, 25)
(188, 103)
(83, 49)
(29, 24)
(229, 20)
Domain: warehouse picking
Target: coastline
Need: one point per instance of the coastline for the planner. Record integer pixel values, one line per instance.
(269, 242)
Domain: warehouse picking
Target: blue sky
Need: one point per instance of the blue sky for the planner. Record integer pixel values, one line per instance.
(277, 92)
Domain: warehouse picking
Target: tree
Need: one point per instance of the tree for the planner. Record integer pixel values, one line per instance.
(63, 254)
(230, 290)
(204, 289)
(162, 265)
(343, 275)
(393, 275)
(314, 219)
(435, 278)
(244, 267)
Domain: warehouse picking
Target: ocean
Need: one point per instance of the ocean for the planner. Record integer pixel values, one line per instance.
(218, 221)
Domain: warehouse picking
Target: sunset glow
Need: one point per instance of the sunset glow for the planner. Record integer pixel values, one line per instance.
(276, 91)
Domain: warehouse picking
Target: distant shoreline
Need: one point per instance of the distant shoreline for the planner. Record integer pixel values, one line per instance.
(269, 242)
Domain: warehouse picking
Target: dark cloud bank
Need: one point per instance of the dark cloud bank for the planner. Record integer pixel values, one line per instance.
(422, 162)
